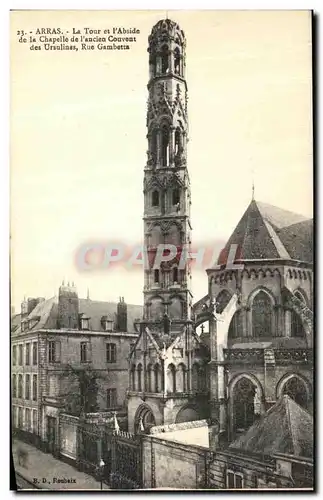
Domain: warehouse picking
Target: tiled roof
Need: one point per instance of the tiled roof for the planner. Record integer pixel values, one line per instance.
(285, 428)
(96, 309)
(268, 232)
(46, 313)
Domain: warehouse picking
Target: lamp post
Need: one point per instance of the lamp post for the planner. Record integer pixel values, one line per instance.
(101, 469)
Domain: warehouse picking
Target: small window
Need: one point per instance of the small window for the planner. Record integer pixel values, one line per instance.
(85, 324)
(84, 352)
(27, 354)
(35, 353)
(234, 480)
(111, 398)
(54, 351)
(14, 355)
(176, 196)
(155, 199)
(35, 388)
(156, 275)
(111, 353)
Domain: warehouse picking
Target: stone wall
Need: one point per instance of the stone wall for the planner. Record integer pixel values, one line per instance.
(168, 464)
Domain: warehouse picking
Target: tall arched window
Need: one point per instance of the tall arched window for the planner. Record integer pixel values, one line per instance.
(175, 274)
(153, 62)
(157, 373)
(297, 329)
(180, 379)
(195, 377)
(262, 315)
(243, 404)
(165, 147)
(133, 378)
(235, 328)
(164, 59)
(176, 196)
(156, 275)
(171, 378)
(295, 389)
(149, 378)
(177, 61)
(155, 198)
(139, 375)
(178, 142)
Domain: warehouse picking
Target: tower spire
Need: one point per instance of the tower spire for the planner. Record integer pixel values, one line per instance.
(88, 293)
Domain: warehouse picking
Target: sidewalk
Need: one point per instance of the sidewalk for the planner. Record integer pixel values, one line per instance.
(45, 469)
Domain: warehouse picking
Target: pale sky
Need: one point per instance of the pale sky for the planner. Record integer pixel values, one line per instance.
(78, 138)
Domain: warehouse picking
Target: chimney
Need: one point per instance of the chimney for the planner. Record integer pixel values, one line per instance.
(122, 325)
(68, 307)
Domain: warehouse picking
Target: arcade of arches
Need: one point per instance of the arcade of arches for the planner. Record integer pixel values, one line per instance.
(247, 400)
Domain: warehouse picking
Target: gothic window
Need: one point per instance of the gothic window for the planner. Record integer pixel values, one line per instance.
(177, 61)
(164, 59)
(176, 308)
(171, 378)
(153, 65)
(175, 275)
(195, 377)
(243, 404)
(165, 147)
(178, 142)
(133, 378)
(155, 198)
(262, 315)
(297, 329)
(149, 378)
(176, 196)
(157, 373)
(235, 328)
(180, 380)
(295, 389)
(153, 148)
(156, 275)
(139, 379)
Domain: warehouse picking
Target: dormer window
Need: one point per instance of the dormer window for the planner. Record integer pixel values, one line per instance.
(106, 324)
(84, 322)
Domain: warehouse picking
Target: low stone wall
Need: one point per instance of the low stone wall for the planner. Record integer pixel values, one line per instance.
(168, 464)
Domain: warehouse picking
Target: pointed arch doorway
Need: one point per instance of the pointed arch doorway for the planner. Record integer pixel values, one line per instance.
(144, 419)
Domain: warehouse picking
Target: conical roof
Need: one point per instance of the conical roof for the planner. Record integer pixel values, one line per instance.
(269, 232)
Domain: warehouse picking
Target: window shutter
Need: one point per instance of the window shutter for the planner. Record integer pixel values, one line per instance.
(57, 351)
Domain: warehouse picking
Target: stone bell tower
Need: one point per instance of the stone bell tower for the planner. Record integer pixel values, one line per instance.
(167, 196)
(165, 360)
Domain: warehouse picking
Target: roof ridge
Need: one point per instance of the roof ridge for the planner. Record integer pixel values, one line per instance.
(287, 401)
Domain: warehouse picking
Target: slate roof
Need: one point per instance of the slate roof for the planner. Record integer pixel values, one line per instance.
(46, 313)
(285, 428)
(269, 232)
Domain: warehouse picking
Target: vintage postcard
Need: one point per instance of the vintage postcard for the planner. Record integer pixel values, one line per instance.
(162, 328)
